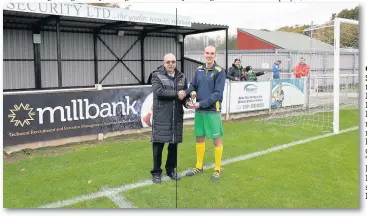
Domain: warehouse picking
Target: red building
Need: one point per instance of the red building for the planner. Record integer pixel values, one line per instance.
(251, 39)
(247, 41)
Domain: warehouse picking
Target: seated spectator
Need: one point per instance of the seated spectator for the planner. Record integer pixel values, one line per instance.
(301, 69)
(235, 72)
(250, 75)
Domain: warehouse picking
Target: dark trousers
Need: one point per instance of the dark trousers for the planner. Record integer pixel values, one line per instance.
(171, 162)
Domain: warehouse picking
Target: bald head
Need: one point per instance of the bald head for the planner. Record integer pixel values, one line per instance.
(169, 62)
(168, 56)
(211, 48)
(210, 54)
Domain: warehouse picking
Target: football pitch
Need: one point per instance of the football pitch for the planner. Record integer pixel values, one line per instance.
(265, 166)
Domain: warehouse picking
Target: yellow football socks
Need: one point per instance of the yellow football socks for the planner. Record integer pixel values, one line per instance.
(218, 157)
(200, 150)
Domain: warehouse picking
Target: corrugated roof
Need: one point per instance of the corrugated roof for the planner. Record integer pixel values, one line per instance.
(288, 40)
(15, 17)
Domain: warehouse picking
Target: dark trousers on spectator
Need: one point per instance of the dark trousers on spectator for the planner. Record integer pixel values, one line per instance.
(171, 162)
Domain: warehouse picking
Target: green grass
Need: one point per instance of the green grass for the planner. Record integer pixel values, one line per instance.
(53, 174)
(319, 174)
(101, 202)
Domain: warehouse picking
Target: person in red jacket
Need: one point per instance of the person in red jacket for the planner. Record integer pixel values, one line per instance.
(301, 69)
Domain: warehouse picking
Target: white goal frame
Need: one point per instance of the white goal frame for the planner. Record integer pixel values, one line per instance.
(336, 89)
(336, 75)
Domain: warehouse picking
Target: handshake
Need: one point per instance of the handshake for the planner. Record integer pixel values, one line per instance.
(191, 104)
(181, 95)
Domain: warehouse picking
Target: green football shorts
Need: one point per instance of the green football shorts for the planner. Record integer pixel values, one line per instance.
(208, 125)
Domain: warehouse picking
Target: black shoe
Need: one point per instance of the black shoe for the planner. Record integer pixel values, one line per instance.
(173, 176)
(194, 171)
(156, 179)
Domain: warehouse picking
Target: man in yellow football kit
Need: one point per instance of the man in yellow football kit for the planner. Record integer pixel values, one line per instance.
(208, 84)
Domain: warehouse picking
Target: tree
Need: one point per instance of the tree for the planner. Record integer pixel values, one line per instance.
(296, 29)
(349, 33)
(232, 43)
(193, 43)
(347, 14)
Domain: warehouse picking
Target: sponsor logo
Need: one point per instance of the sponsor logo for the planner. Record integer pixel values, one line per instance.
(250, 88)
(21, 115)
(80, 109)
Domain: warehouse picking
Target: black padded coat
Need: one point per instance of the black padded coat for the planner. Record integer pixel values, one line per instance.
(167, 125)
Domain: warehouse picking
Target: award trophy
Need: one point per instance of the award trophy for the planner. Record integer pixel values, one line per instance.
(192, 98)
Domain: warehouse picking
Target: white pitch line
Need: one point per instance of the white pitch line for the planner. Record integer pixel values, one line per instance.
(103, 193)
(277, 148)
(120, 201)
(115, 191)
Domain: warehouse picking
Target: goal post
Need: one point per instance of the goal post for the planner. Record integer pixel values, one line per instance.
(331, 87)
(338, 22)
(336, 77)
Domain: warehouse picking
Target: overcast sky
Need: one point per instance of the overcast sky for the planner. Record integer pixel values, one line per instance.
(248, 15)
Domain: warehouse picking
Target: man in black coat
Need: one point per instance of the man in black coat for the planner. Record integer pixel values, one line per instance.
(168, 99)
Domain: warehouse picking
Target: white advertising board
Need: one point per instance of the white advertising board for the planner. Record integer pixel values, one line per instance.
(189, 113)
(249, 96)
(287, 92)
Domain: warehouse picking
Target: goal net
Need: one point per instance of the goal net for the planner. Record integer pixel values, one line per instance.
(331, 88)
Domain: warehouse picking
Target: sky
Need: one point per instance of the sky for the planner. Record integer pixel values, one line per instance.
(248, 15)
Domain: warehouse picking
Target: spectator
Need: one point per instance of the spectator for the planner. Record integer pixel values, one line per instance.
(243, 77)
(250, 75)
(235, 72)
(301, 69)
(276, 70)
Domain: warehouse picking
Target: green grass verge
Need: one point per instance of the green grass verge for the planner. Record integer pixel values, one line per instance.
(102, 202)
(319, 174)
(53, 174)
